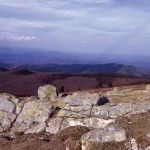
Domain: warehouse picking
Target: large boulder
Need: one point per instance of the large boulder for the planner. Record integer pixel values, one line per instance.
(111, 133)
(47, 92)
(32, 117)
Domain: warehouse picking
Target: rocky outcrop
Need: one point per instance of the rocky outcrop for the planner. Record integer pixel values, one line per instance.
(52, 113)
(31, 115)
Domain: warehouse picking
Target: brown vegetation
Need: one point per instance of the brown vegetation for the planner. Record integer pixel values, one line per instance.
(25, 83)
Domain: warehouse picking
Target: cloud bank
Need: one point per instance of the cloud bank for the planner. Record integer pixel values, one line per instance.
(95, 26)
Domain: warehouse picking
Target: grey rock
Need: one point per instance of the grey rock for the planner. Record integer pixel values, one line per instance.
(54, 125)
(33, 115)
(7, 105)
(90, 122)
(75, 111)
(6, 120)
(9, 97)
(68, 113)
(100, 111)
(141, 108)
(57, 123)
(120, 110)
(82, 99)
(47, 92)
(35, 128)
(111, 133)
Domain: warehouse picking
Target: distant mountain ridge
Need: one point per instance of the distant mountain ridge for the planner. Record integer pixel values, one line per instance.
(21, 56)
(84, 68)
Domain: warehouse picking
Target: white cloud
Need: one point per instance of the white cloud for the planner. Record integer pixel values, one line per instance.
(16, 38)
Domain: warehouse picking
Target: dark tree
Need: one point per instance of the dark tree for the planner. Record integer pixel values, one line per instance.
(62, 89)
(110, 85)
(100, 83)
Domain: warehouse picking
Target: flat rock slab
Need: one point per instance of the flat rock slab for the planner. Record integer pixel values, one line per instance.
(82, 99)
(57, 123)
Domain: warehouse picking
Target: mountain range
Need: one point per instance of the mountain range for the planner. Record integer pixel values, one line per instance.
(21, 56)
(54, 61)
(85, 68)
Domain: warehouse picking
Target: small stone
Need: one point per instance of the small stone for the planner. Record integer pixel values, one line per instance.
(8, 135)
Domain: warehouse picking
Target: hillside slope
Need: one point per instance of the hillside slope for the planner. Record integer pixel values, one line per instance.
(26, 82)
(95, 68)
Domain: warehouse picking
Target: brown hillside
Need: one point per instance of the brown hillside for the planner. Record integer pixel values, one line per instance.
(26, 83)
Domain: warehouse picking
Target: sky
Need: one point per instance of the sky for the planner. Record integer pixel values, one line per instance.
(87, 26)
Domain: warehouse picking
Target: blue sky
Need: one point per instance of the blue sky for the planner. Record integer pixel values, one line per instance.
(93, 26)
